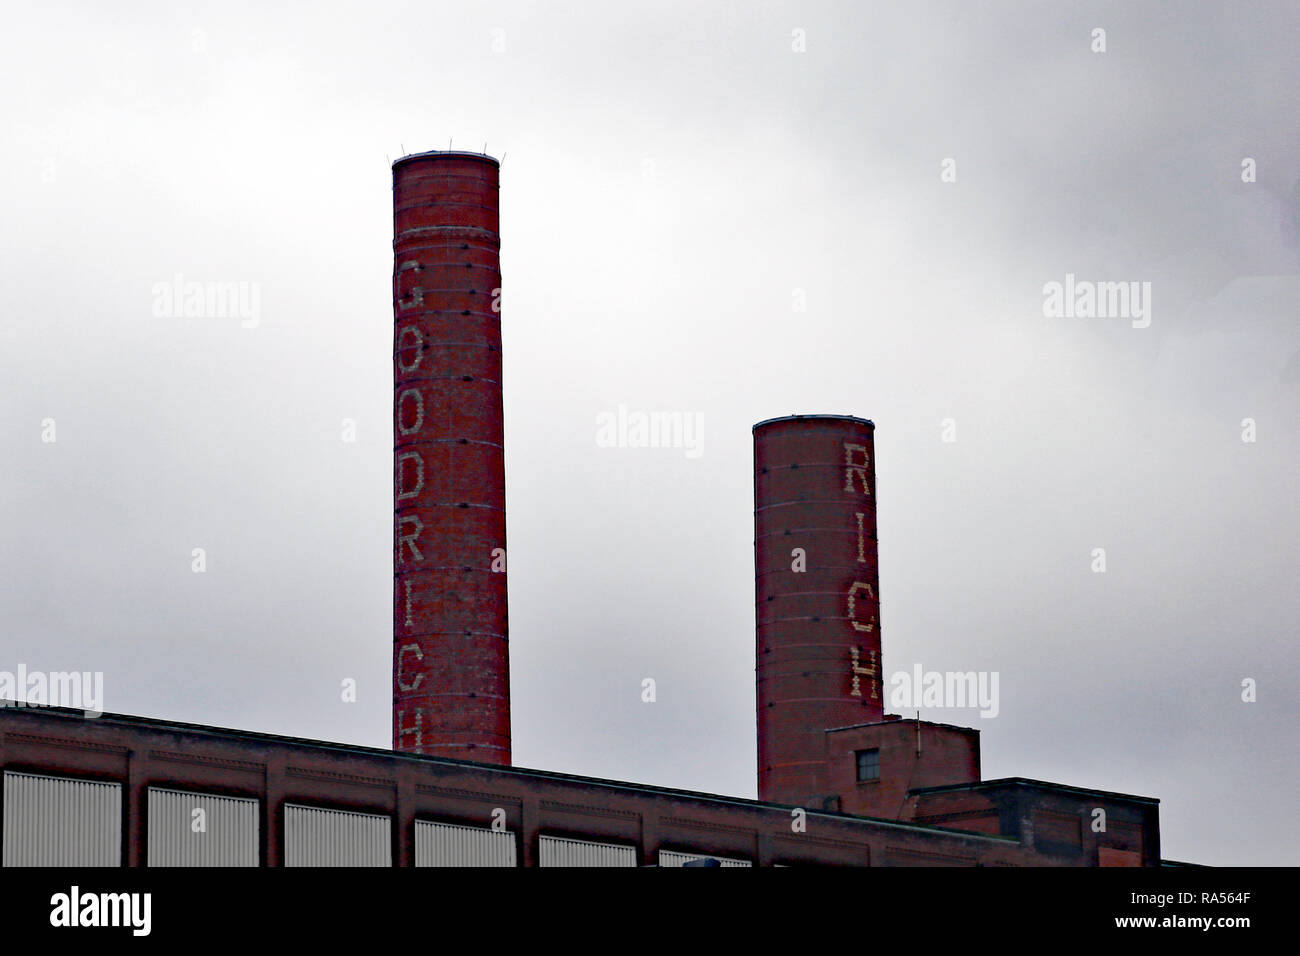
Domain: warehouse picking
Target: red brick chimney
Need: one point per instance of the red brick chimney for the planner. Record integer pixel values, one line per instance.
(451, 679)
(817, 596)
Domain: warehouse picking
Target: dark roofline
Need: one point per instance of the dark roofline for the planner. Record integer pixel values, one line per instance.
(903, 720)
(150, 723)
(791, 418)
(1041, 784)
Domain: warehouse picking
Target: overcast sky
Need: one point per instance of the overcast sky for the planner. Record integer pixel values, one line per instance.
(678, 179)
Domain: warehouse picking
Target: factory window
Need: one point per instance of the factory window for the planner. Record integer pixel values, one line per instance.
(868, 765)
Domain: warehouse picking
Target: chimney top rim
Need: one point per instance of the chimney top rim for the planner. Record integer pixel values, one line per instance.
(793, 418)
(460, 153)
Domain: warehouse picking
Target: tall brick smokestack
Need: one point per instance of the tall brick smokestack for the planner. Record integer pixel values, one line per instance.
(451, 681)
(816, 593)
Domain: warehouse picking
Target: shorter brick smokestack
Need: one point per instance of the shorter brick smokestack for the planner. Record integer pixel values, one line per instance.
(817, 596)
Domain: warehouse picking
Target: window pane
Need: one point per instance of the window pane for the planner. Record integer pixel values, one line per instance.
(869, 764)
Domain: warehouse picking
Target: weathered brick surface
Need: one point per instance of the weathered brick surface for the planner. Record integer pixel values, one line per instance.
(451, 686)
(947, 755)
(814, 490)
(1059, 823)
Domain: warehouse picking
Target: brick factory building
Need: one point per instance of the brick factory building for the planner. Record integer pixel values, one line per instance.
(129, 787)
(840, 781)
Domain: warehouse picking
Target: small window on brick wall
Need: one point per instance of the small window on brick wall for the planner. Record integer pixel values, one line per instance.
(868, 764)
